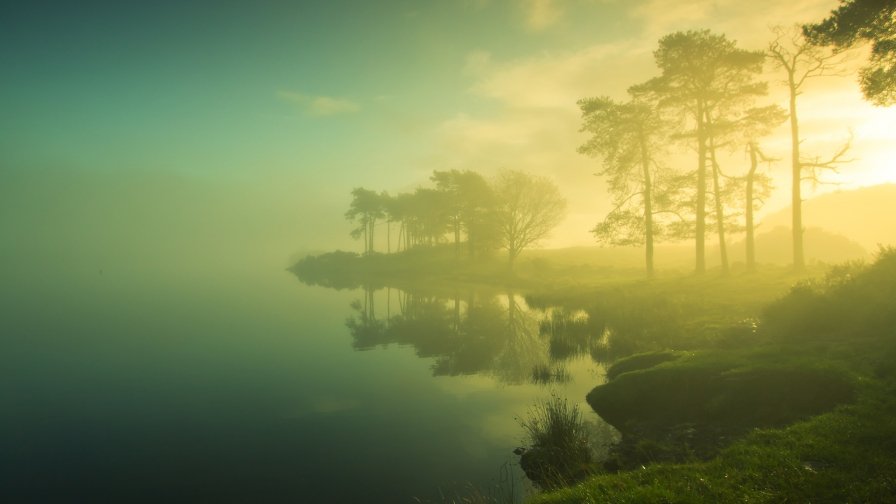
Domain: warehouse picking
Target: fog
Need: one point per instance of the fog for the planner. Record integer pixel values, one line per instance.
(476, 251)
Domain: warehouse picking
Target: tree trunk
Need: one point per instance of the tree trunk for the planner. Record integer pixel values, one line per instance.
(366, 242)
(648, 207)
(471, 245)
(717, 197)
(796, 200)
(748, 209)
(700, 230)
(456, 238)
(456, 312)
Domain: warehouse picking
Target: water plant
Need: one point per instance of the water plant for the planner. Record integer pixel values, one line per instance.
(558, 451)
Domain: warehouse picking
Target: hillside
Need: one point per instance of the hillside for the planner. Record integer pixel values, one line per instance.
(773, 246)
(865, 215)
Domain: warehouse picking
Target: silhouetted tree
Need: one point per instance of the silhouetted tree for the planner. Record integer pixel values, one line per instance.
(864, 20)
(366, 207)
(387, 202)
(398, 209)
(628, 137)
(430, 216)
(758, 186)
(528, 209)
(801, 61)
(754, 124)
(469, 199)
(701, 71)
(732, 128)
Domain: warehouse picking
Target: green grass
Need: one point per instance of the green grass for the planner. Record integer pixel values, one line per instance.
(847, 455)
(828, 341)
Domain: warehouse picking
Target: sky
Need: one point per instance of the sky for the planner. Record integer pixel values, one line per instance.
(244, 126)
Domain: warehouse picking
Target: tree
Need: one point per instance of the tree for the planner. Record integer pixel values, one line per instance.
(628, 136)
(430, 216)
(469, 200)
(763, 183)
(398, 209)
(755, 124)
(731, 129)
(392, 213)
(700, 72)
(528, 209)
(800, 61)
(864, 20)
(727, 121)
(366, 207)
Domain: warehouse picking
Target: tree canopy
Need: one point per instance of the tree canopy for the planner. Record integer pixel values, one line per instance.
(856, 21)
(628, 137)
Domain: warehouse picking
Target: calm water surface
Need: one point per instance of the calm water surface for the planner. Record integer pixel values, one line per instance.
(244, 385)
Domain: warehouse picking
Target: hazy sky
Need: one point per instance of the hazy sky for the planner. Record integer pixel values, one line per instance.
(255, 120)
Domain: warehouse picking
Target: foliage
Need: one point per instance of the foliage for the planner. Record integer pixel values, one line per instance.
(469, 200)
(854, 302)
(704, 78)
(864, 20)
(366, 207)
(629, 138)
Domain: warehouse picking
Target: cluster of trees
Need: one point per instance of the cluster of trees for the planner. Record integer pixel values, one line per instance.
(510, 212)
(705, 98)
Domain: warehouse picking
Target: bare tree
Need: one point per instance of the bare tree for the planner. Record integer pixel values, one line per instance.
(757, 189)
(528, 209)
(801, 61)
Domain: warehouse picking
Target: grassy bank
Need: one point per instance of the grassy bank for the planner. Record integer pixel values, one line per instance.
(847, 455)
(801, 409)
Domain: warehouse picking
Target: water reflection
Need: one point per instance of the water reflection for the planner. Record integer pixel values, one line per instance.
(477, 332)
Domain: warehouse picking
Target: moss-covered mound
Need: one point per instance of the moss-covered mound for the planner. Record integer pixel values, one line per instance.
(641, 361)
(691, 406)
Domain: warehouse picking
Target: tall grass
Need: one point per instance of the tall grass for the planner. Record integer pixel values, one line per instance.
(559, 451)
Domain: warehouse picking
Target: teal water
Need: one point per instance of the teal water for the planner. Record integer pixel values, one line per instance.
(240, 384)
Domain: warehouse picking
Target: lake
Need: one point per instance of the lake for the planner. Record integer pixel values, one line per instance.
(241, 384)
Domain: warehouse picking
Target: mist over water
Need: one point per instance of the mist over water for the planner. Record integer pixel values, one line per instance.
(188, 364)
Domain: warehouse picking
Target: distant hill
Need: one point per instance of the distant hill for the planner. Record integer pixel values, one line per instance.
(772, 247)
(775, 247)
(866, 215)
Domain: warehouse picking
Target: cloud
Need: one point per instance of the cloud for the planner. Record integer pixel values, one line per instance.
(477, 62)
(556, 80)
(541, 14)
(746, 22)
(320, 106)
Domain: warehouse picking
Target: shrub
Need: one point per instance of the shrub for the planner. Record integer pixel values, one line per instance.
(559, 451)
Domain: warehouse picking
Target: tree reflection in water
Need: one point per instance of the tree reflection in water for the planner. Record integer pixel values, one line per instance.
(474, 332)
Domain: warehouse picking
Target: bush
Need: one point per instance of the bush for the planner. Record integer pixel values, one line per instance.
(559, 451)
